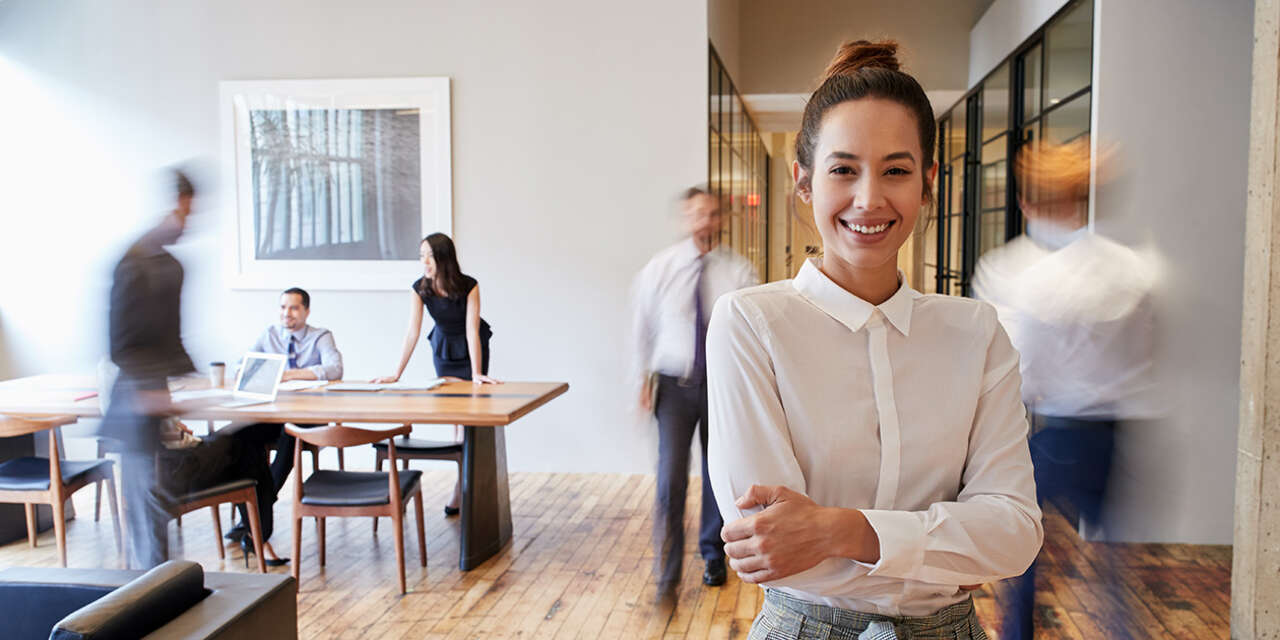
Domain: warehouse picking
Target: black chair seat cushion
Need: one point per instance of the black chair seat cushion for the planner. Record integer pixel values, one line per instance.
(418, 445)
(354, 488)
(235, 485)
(32, 474)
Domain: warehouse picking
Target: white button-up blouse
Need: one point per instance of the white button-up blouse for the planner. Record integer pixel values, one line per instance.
(909, 411)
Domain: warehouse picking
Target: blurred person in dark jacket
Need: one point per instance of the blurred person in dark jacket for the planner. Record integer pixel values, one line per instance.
(160, 458)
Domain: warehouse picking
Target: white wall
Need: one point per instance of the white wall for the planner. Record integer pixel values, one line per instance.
(574, 124)
(1005, 25)
(723, 20)
(1171, 90)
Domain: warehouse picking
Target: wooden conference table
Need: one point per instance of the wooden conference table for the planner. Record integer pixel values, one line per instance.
(482, 410)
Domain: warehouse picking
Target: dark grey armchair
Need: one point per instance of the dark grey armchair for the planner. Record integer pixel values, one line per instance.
(174, 600)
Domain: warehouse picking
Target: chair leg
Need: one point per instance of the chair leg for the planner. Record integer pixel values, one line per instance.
(297, 550)
(30, 510)
(397, 524)
(380, 459)
(342, 463)
(115, 512)
(217, 531)
(255, 528)
(422, 537)
(60, 530)
(320, 538)
(97, 491)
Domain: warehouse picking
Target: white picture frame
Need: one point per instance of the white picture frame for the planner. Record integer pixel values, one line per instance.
(312, 111)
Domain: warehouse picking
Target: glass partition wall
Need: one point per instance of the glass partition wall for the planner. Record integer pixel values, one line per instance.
(737, 169)
(1040, 92)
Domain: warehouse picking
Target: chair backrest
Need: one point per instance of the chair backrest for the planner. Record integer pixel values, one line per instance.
(23, 425)
(336, 435)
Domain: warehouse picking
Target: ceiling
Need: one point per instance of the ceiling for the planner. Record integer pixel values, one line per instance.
(783, 47)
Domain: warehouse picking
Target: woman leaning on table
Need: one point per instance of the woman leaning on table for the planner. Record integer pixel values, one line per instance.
(868, 444)
(460, 338)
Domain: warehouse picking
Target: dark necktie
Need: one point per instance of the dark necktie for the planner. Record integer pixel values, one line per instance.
(699, 370)
(293, 354)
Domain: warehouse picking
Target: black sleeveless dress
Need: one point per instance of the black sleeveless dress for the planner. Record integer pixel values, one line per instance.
(449, 337)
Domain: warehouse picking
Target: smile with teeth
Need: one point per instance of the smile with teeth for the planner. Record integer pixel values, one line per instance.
(867, 229)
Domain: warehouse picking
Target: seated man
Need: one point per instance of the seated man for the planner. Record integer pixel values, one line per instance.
(313, 355)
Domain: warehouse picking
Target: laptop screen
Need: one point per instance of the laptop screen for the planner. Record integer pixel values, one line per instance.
(260, 375)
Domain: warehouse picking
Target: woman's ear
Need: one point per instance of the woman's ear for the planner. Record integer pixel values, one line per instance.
(931, 180)
(803, 182)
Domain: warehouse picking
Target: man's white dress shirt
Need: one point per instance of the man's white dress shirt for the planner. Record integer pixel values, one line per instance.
(1078, 308)
(662, 300)
(313, 347)
(909, 411)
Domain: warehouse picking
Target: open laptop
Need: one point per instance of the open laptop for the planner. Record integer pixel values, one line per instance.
(258, 381)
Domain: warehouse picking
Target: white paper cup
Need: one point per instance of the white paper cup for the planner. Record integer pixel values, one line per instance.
(217, 374)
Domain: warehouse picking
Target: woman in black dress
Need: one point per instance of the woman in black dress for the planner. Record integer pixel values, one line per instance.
(460, 338)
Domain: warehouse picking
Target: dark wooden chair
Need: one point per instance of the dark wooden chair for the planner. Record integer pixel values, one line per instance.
(234, 492)
(344, 494)
(418, 449)
(31, 480)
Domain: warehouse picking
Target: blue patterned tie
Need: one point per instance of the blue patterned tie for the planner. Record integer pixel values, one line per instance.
(293, 354)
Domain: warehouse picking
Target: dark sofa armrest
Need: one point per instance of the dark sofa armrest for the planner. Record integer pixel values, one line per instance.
(29, 609)
(139, 607)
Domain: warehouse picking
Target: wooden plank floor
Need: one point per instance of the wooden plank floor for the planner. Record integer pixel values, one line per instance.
(580, 567)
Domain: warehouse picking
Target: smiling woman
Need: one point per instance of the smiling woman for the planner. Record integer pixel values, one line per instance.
(861, 504)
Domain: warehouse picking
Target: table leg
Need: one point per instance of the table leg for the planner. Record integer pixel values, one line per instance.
(486, 500)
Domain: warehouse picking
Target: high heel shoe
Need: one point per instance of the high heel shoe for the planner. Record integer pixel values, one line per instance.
(246, 545)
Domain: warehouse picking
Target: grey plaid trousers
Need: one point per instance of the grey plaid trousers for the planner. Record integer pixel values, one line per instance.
(784, 617)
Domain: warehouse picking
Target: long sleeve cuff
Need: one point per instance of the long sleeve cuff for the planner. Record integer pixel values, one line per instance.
(326, 372)
(902, 542)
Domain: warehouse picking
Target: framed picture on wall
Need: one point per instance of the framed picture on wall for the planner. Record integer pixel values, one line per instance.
(333, 183)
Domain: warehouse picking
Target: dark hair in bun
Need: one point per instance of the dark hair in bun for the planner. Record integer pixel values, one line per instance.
(863, 69)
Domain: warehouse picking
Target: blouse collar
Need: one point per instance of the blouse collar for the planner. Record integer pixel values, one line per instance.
(848, 309)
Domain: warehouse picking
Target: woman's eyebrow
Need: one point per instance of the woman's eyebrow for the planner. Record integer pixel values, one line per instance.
(845, 155)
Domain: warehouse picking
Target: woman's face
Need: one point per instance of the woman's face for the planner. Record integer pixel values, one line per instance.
(428, 260)
(867, 186)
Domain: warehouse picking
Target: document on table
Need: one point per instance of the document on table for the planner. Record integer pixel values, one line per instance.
(299, 385)
(197, 394)
(389, 386)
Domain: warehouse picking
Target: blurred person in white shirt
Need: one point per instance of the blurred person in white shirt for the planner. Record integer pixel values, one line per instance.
(1077, 306)
(672, 300)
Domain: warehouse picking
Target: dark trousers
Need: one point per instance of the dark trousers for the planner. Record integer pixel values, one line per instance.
(681, 411)
(154, 480)
(1072, 460)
